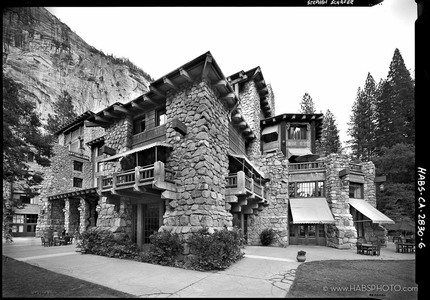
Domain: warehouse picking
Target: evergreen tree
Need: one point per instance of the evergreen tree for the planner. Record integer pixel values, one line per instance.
(307, 105)
(64, 111)
(362, 123)
(21, 137)
(330, 141)
(395, 106)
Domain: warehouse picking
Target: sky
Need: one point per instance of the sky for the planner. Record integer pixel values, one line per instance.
(326, 52)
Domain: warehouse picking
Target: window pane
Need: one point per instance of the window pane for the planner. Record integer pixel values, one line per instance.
(320, 189)
(291, 189)
(139, 125)
(355, 190)
(161, 117)
(305, 189)
(21, 228)
(302, 231)
(311, 230)
(77, 182)
(78, 166)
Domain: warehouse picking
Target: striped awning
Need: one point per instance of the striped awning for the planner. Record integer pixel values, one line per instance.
(138, 149)
(28, 209)
(310, 211)
(369, 211)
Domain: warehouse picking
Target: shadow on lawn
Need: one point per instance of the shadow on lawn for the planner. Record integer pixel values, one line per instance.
(387, 279)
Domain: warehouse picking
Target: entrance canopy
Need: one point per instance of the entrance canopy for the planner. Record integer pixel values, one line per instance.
(310, 211)
(369, 211)
(123, 154)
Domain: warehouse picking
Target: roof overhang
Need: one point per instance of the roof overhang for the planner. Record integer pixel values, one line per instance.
(246, 161)
(311, 211)
(369, 211)
(299, 118)
(138, 149)
(204, 66)
(69, 125)
(77, 193)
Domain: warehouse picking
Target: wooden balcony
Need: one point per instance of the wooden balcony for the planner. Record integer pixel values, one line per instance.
(142, 179)
(244, 194)
(298, 167)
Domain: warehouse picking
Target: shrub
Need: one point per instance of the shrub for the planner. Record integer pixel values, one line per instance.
(165, 248)
(103, 242)
(216, 251)
(267, 236)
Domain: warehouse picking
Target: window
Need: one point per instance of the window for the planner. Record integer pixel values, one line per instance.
(31, 219)
(74, 139)
(271, 137)
(356, 190)
(25, 199)
(306, 189)
(297, 132)
(77, 182)
(99, 167)
(139, 125)
(78, 165)
(18, 219)
(161, 117)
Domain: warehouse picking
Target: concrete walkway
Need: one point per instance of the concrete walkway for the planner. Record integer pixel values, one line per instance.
(263, 272)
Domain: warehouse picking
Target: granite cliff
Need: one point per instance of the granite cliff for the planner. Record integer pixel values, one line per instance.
(47, 57)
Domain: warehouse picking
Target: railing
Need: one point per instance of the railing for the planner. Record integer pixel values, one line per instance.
(145, 174)
(306, 166)
(231, 180)
(240, 184)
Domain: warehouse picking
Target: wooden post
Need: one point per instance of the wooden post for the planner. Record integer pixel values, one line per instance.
(139, 226)
(159, 173)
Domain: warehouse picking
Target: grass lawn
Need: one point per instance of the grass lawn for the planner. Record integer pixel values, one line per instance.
(388, 279)
(20, 279)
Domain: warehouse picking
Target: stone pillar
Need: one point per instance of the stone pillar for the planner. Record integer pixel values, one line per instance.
(275, 215)
(342, 234)
(199, 159)
(251, 110)
(67, 214)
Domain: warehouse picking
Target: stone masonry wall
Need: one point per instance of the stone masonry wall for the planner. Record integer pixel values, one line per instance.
(251, 112)
(199, 159)
(342, 234)
(275, 216)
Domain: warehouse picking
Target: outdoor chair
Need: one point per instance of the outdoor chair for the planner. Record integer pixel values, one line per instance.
(68, 240)
(44, 241)
(56, 241)
(359, 249)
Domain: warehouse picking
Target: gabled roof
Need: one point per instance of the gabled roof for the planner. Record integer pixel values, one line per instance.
(256, 75)
(202, 66)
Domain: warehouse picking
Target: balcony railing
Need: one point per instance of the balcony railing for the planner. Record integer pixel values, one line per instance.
(140, 176)
(306, 166)
(240, 184)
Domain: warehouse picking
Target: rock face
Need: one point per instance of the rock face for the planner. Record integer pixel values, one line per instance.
(44, 55)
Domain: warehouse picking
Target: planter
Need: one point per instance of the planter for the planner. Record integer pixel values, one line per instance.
(301, 256)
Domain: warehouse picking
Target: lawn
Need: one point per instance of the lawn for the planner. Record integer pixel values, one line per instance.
(353, 279)
(22, 280)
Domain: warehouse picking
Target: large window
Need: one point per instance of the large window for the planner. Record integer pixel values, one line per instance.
(356, 190)
(306, 189)
(297, 132)
(161, 117)
(139, 125)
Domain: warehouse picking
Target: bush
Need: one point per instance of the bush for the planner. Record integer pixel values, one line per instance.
(267, 236)
(165, 248)
(103, 242)
(216, 251)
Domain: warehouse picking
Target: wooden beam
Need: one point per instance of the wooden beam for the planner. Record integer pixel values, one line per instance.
(137, 105)
(169, 83)
(228, 96)
(147, 99)
(220, 83)
(156, 91)
(121, 110)
(185, 74)
(111, 115)
(208, 61)
(93, 124)
(101, 120)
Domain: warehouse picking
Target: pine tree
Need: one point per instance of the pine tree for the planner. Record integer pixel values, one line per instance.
(307, 105)
(330, 141)
(362, 123)
(21, 137)
(395, 106)
(64, 111)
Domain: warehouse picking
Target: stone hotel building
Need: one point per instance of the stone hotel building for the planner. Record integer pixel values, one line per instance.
(203, 150)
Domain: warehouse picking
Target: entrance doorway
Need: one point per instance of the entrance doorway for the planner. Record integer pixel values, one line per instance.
(147, 218)
(307, 234)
